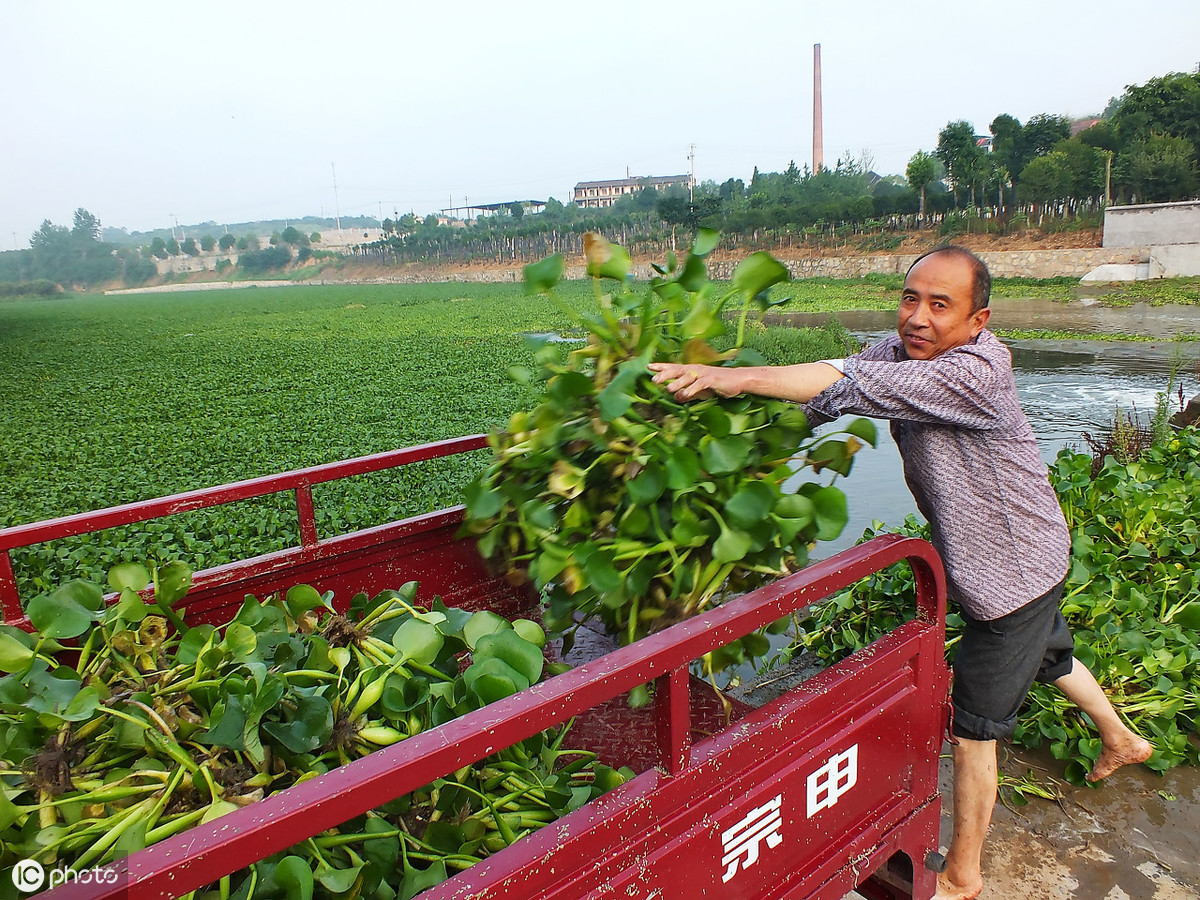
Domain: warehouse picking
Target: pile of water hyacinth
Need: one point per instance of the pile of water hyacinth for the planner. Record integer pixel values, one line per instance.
(143, 727)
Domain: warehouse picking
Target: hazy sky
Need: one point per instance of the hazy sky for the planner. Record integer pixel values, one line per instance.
(237, 111)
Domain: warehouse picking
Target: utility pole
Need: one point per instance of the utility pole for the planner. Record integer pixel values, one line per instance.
(1108, 155)
(692, 179)
(337, 210)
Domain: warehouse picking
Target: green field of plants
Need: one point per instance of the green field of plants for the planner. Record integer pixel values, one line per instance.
(111, 399)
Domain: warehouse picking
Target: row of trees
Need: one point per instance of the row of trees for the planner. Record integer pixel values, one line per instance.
(1145, 149)
(78, 256)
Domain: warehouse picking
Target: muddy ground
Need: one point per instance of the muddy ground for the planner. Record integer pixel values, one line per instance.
(1135, 837)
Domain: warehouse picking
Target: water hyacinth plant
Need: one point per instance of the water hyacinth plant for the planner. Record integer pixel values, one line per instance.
(152, 727)
(623, 505)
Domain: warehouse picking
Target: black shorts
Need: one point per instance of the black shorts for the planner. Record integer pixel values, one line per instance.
(998, 660)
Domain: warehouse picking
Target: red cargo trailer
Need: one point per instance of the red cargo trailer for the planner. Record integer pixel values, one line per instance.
(829, 788)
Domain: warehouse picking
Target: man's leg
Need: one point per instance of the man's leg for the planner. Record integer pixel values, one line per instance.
(974, 797)
(1121, 746)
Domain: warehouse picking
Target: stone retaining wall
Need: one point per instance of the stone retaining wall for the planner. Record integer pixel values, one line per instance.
(1001, 263)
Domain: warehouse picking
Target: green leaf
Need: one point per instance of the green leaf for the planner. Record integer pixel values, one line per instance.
(228, 724)
(295, 876)
(417, 880)
(418, 641)
(240, 641)
(614, 401)
(308, 727)
(63, 614)
(172, 582)
(482, 501)
(757, 272)
(301, 598)
(337, 881)
(483, 623)
(1188, 616)
(605, 259)
(751, 503)
(701, 322)
(831, 454)
(648, 485)
(864, 430)
(829, 505)
(731, 546)
(8, 811)
(128, 575)
(723, 455)
(600, 568)
(683, 468)
(517, 652)
(130, 606)
(706, 241)
(493, 679)
(542, 276)
(796, 506)
(16, 649)
(692, 277)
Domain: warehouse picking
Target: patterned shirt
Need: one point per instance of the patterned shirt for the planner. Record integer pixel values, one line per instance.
(971, 462)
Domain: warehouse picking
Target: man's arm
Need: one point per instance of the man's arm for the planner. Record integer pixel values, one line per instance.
(799, 383)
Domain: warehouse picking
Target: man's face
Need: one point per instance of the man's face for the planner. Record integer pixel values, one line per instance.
(935, 307)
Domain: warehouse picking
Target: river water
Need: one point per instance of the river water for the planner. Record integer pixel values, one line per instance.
(1067, 387)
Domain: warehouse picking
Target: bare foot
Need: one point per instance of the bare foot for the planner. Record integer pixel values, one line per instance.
(948, 890)
(1131, 750)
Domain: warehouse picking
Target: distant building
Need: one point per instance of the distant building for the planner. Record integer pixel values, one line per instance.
(984, 142)
(1079, 125)
(598, 194)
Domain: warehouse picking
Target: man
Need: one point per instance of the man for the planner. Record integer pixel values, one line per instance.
(972, 464)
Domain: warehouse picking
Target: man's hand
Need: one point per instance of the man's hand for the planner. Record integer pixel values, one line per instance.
(696, 381)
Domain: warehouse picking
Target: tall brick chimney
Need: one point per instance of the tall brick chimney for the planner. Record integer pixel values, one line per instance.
(818, 137)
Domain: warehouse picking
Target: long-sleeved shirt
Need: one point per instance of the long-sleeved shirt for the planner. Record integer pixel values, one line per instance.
(971, 462)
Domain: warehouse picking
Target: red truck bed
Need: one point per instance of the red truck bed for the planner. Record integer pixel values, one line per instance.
(829, 788)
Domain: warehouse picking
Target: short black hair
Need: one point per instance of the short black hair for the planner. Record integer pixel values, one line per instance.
(981, 278)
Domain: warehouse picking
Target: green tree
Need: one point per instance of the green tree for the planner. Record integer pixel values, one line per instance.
(1046, 179)
(1169, 105)
(138, 269)
(207, 242)
(75, 256)
(959, 152)
(173, 247)
(1041, 133)
(1085, 165)
(189, 247)
(226, 242)
(86, 226)
(294, 236)
(1158, 169)
(921, 171)
(158, 248)
(1103, 136)
(1008, 148)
